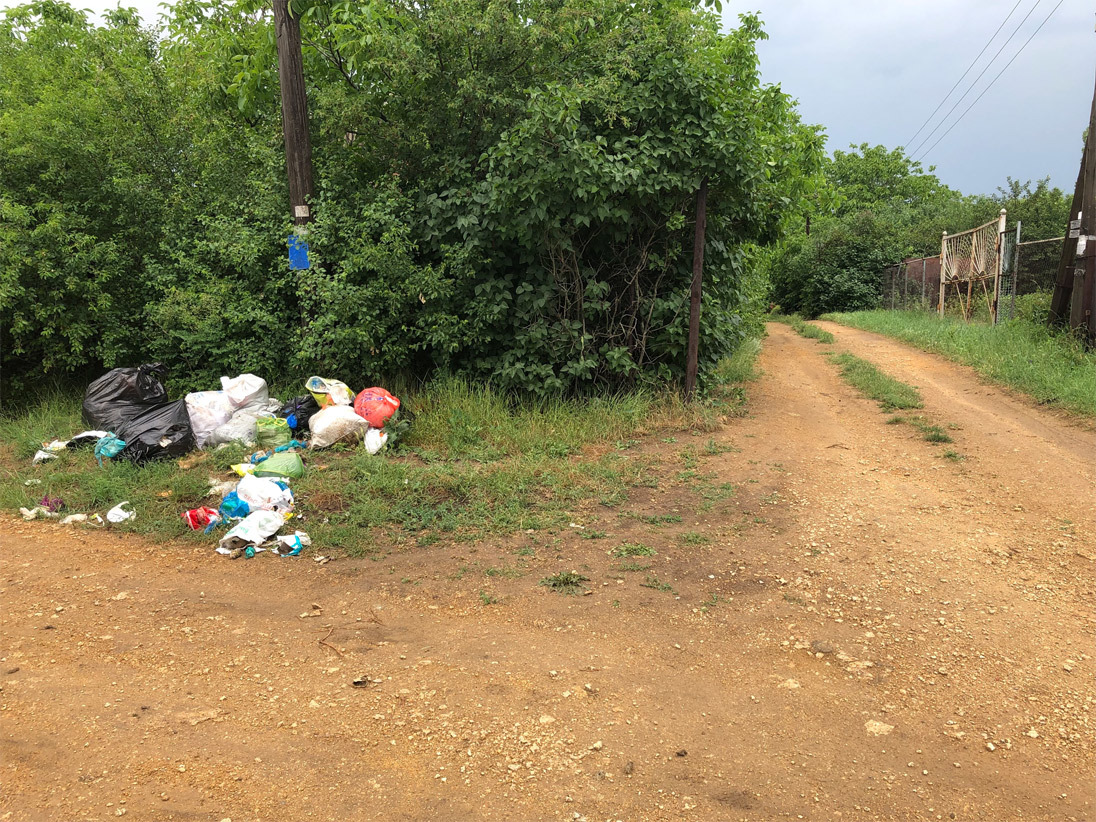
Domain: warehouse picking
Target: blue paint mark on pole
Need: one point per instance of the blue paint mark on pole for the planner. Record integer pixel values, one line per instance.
(298, 253)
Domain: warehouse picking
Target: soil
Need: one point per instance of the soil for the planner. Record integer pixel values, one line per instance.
(854, 628)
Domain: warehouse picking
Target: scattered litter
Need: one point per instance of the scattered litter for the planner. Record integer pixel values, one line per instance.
(119, 513)
(272, 432)
(42, 456)
(32, 482)
(298, 411)
(290, 545)
(208, 410)
(123, 393)
(329, 392)
(201, 518)
(376, 405)
(52, 504)
(287, 464)
(218, 488)
(161, 432)
(72, 519)
(255, 529)
(264, 494)
(108, 446)
(375, 440)
(336, 423)
(35, 512)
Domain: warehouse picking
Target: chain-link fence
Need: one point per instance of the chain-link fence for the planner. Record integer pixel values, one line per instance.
(912, 285)
(1028, 268)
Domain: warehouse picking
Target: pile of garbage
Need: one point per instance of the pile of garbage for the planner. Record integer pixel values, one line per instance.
(131, 418)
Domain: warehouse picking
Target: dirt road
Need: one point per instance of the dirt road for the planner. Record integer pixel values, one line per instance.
(852, 628)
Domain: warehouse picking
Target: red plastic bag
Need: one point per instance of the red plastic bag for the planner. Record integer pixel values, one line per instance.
(376, 405)
(199, 518)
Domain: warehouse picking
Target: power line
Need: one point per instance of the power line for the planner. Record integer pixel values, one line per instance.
(965, 73)
(974, 82)
(991, 82)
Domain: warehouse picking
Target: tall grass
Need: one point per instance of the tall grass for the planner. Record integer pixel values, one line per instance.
(474, 461)
(1051, 367)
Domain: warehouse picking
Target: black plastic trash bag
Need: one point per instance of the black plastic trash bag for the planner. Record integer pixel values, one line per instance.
(162, 432)
(122, 394)
(298, 411)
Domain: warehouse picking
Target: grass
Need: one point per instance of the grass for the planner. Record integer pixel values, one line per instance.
(930, 431)
(633, 549)
(651, 581)
(1053, 368)
(565, 582)
(475, 462)
(804, 329)
(874, 384)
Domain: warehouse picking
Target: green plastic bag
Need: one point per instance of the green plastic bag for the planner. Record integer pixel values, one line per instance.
(285, 464)
(270, 432)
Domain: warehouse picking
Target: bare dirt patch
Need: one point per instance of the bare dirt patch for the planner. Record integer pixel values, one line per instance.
(852, 628)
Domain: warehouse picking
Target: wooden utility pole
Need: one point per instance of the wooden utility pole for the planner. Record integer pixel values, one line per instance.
(1076, 282)
(298, 145)
(694, 295)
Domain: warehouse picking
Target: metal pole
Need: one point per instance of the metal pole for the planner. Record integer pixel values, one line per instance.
(1002, 221)
(924, 262)
(943, 260)
(1015, 273)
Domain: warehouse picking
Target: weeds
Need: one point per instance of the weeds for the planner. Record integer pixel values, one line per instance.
(633, 549)
(487, 599)
(954, 456)
(874, 384)
(633, 565)
(592, 534)
(804, 329)
(693, 538)
(565, 582)
(651, 581)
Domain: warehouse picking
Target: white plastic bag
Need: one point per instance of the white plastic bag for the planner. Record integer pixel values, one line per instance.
(375, 439)
(254, 529)
(334, 424)
(241, 428)
(264, 494)
(119, 513)
(245, 390)
(208, 410)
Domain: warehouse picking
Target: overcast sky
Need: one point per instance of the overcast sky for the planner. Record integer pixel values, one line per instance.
(873, 71)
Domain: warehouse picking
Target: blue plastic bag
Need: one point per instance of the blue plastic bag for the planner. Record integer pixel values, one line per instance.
(232, 507)
(109, 446)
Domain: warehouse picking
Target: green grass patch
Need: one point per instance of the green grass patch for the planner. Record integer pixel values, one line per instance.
(633, 549)
(1052, 367)
(954, 456)
(633, 565)
(693, 538)
(804, 329)
(651, 581)
(874, 384)
(565, 582)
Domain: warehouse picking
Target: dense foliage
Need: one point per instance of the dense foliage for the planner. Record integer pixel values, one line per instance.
(877, 208)
(505, 189)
